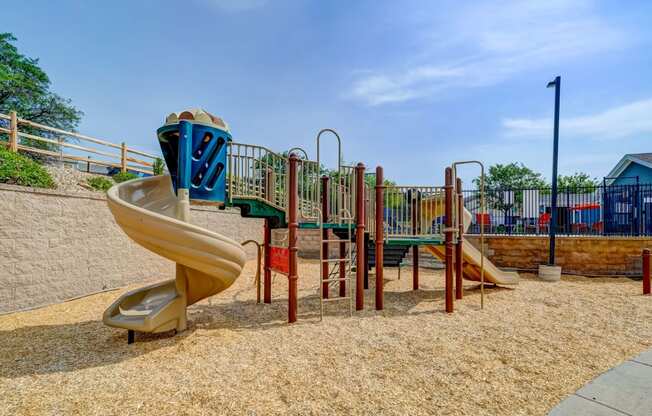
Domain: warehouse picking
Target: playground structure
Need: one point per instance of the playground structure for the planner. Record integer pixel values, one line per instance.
(288, 192)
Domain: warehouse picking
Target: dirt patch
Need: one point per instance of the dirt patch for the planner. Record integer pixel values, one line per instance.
(521, 355)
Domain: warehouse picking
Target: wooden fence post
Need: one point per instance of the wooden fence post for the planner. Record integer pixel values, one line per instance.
(123, 158)
(13, 134)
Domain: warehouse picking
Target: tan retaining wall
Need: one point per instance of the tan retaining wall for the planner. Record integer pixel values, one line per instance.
(584, 255)
(55, 246)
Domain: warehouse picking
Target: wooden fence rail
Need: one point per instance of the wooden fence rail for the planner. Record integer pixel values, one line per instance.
(111, 155)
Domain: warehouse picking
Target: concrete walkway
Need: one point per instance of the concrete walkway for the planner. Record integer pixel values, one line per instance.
(624, 390)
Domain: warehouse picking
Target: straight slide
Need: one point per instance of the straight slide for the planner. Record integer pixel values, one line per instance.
(471, 268)
(207, 262)
(472, 256)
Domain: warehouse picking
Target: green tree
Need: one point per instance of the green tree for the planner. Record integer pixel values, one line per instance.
(504, 185)
(577, 182)
(25, 88)
(158, 166)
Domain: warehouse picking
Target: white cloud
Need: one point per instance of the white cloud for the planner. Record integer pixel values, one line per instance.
(615, 123)
(498, 40)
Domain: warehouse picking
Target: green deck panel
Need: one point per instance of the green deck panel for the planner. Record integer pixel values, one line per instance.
(330, 226)
(415, 241)
(253, 208)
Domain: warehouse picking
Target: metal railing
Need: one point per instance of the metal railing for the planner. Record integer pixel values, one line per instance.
(413, 211)
(308, 187)
(255, 172)
(611, 210)
(341, 194)
(21, 135)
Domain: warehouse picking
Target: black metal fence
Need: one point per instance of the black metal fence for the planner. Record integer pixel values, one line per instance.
(612, 210)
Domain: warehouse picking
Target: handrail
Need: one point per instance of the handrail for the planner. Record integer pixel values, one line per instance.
(301, 149)
(339, 157)
(259, 250)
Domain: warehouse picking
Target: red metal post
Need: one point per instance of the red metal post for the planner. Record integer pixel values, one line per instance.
(267, 275)
(448, 187)
(459, 251)
(361, 257)
(366, 260)
(415, 248)
(379, 237)
(324, 236)
(646, 271)
(293, 225)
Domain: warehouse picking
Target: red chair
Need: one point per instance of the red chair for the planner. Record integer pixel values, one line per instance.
(544, 222)
(483, 220)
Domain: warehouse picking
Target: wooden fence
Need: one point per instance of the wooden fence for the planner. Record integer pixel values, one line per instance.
(58, 145)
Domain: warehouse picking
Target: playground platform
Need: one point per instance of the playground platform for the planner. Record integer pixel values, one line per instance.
(623, 390)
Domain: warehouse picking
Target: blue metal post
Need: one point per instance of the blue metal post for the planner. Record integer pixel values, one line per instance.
(555, 152)
(185, 155)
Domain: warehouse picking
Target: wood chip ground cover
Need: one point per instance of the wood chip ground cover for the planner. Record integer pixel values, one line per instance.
(521, 355)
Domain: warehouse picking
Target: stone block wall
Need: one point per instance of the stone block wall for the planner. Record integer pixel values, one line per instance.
(595, 255)
(55, 246)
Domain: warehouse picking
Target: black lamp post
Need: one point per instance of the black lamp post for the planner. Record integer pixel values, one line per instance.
(555, 150)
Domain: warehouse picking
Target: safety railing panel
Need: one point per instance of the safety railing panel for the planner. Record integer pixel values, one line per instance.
(308, 187)
(370, 209)
(255, 172)
(341, 195)
(413, 211)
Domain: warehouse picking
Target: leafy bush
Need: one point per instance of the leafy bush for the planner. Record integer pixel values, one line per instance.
(157, 167)
(100, 183)
(124, 176)
(21, 170)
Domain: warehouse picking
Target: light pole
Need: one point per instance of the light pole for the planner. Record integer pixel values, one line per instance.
(555, 150)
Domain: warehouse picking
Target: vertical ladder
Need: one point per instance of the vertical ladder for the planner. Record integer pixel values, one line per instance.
(339, 269)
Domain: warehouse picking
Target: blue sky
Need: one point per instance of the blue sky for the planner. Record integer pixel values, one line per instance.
(410, 85)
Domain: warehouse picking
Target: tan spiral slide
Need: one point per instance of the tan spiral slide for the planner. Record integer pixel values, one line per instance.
(152, 215)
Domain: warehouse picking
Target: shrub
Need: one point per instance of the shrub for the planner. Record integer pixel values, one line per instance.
(124, 176)
(100, 183)
(21, 170)
(157, 167)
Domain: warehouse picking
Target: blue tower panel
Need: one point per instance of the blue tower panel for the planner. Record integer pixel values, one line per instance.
(196, 158)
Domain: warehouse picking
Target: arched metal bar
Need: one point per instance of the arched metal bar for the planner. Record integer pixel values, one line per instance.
(339, 158)
(339, 148)
(300, 149)
(259, 251)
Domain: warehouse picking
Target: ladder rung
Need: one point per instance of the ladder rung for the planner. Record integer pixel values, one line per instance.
(335, 260)
(336, 279)
(339, 240)
(336, 299)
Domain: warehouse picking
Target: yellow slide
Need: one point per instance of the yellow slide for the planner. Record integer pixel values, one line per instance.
(152, 215)
(472, 256)
(471, 268)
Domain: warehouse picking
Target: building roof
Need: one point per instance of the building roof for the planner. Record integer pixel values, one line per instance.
(643, 159)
